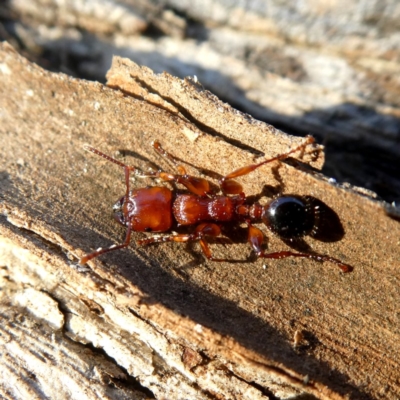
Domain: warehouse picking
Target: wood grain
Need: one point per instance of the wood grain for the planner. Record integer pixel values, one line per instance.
(165, 322)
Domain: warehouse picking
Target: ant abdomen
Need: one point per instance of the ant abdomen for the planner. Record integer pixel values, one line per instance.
(290, 216)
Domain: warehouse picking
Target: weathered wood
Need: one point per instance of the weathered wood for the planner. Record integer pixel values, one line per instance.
(161, 315)
(323, 68)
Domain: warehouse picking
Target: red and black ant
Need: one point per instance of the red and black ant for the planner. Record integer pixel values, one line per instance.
(158, 209)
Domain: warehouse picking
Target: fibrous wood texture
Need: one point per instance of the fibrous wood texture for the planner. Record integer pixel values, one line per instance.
(326, 68)
(160, 321)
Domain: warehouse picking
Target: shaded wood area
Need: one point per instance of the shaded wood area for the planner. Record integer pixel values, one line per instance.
(160, 321)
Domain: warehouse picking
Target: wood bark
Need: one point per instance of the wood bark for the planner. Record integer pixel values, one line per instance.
(329, 69)
(160, 321)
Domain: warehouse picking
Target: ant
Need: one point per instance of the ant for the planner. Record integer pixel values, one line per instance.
(158, 209)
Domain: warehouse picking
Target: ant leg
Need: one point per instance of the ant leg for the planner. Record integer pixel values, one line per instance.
(114, 247)
(198, 186)
(127, 240)
(199, 234)
(284, 254)
(114, 161)
(229, 186)
(210, 230)
(256, 238)
(159, 149)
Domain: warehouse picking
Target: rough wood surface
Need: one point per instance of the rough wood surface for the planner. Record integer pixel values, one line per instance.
(326, 68)
(160, 321)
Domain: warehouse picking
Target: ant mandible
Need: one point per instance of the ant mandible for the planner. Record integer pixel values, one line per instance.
(157, 209)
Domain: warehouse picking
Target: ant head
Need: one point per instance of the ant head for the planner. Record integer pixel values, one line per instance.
(289, 216)
(118, 209)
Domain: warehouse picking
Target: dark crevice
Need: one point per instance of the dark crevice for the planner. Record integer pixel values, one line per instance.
(129, 382)
(200, 125)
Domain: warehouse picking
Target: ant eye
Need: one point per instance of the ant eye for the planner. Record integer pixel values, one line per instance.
(118, 213)
(289, 217)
